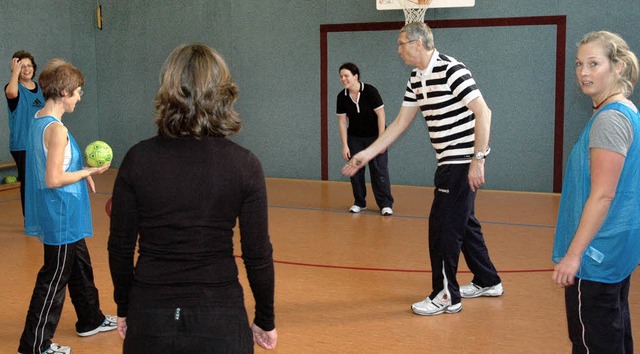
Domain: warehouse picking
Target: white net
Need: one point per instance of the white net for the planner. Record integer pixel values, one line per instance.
(414, 10)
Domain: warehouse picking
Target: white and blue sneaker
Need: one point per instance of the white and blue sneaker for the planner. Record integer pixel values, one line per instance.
(109, 324)
(55, 348)
(440, 304)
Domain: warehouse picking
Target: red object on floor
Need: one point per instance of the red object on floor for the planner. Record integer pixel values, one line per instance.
(107, 207)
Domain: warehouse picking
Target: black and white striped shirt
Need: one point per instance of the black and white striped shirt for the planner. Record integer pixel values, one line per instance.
(442, 92)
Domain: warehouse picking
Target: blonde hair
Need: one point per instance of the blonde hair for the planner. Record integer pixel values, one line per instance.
(196, 95)
(618, 52)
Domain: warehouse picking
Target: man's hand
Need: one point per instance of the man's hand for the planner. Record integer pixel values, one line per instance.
(476, 174)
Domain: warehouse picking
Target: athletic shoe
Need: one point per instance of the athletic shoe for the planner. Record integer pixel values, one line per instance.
(472, 290)
(441, 304)
(55, 348)
(386, 211)
(356, 209)
(109, 324)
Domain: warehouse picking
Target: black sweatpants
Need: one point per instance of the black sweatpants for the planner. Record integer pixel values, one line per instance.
(379, 171)
(598, 317)
(64, 266)
(187, 330)
(453, 227)
(20, 157)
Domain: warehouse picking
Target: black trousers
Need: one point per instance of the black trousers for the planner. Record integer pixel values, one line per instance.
(20, 157)
(453, 228)
(598, 317)
(378, 170)
(66, 266)
(188, 330)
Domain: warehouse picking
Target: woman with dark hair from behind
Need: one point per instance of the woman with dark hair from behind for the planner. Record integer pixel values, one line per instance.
(183, 294)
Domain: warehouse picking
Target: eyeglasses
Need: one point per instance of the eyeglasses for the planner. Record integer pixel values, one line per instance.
(400, 44)
(80, 93)
(27, 66)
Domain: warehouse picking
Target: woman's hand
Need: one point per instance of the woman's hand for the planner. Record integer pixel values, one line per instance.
(265, 339)
(122, 326)
(565, 272)
(346, 153)
(16, 66)
(94, 171)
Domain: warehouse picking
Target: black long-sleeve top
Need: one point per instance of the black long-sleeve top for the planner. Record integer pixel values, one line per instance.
(179, 199)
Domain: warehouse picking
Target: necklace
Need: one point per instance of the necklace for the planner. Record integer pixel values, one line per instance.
(595, 108)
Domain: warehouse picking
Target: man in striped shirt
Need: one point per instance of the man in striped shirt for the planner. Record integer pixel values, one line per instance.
(444, 91)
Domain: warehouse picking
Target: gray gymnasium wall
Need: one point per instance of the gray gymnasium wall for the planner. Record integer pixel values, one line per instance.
(49, 29)
(273, 50)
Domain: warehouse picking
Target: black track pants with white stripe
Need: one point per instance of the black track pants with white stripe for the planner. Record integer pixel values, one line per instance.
(66, 265)
(598, 317)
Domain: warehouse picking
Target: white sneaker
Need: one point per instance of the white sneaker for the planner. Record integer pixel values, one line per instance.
(472, 290)
(356, 209)
(109, 324)
(386, 211)
(440, 304)
(55, 348)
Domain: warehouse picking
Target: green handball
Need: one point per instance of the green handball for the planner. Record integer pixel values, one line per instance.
(10, 179)
(98, 153)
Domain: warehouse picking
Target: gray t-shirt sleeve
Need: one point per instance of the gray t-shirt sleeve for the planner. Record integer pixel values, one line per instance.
(612, 131)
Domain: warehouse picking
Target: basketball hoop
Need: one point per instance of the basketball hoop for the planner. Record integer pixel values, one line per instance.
(414, 10)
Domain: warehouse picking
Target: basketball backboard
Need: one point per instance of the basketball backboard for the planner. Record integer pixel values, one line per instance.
(396, 5)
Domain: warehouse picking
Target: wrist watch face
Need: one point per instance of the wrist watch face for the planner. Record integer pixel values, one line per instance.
(479, 155)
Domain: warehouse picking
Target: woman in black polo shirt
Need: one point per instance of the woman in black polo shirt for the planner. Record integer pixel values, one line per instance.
(361, 119)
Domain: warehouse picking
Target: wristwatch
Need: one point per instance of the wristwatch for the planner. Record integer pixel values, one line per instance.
(481, 155)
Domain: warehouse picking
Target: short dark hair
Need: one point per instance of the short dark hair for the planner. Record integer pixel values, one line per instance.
(353, 68)
(21, 54)
(197, 95)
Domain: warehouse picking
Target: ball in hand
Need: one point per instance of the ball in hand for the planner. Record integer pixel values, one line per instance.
(98, 153)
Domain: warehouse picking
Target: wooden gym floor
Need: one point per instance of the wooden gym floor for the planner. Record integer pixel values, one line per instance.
(345, 282)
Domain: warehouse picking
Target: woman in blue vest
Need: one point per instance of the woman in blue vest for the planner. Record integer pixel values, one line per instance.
(24, 99)
(57, 211)
(597, 239)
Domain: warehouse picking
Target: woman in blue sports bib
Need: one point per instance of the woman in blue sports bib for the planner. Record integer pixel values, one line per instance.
(24, 99)
(57, 211)
(597, 239)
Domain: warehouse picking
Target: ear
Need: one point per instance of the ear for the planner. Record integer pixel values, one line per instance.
(619, 66)
(64, 93)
